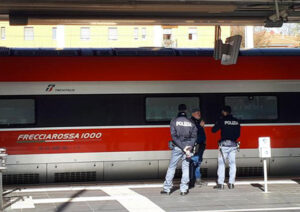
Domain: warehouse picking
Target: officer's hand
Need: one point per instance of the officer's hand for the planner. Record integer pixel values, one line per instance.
(202, 123)
(189, 154)
(187, 148)
(187, 151)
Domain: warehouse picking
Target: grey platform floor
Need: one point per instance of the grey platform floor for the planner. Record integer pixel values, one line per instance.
(248, 195)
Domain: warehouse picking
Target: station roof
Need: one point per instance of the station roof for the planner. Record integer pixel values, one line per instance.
(148, 12)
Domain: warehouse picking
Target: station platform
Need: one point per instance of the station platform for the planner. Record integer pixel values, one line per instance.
(144, 196)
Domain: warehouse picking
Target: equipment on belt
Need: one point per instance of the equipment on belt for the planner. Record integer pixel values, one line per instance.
(171, 145)
(238, 146)
(238, 143)
(222, 155)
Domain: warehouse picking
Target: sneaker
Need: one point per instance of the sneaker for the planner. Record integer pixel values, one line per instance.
(219, 187)
(198, 182)
(165, 192)
(183, 193)
(231, 186)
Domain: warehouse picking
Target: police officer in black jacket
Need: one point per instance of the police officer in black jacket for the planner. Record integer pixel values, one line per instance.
(230, 132)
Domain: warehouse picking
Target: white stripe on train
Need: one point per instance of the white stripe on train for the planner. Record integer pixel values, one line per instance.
(148, 87)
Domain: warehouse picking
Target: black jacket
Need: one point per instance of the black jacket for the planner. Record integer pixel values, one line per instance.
(201, 137)
(229, 126)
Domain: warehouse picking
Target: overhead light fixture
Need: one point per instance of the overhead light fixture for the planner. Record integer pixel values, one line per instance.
(270, 24)
(226, 52)
(277, 19)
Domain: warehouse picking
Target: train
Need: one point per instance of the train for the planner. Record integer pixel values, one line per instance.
(77, 115)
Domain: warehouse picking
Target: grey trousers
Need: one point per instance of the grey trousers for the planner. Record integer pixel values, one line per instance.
(229, 153)
(177, 155)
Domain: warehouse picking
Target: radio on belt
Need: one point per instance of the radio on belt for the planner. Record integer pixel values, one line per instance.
(264, 147)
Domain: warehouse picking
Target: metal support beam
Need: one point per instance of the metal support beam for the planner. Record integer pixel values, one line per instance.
(277, 10)
(1, 192)
(3, 156)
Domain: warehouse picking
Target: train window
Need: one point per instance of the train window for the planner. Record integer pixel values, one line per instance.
(17, 111)
(253, 107)
(166, 108)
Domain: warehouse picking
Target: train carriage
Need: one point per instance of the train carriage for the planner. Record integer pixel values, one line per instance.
(103, 114)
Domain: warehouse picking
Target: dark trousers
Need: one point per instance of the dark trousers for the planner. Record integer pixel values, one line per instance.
(195, 164)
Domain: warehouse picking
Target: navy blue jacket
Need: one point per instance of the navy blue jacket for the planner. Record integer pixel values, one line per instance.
(229, 126)
(201, 137)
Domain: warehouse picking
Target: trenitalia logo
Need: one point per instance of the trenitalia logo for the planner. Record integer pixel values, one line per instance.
(53, 87)
(50, 87)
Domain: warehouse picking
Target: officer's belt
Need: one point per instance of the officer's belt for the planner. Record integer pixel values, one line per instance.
(228, 143)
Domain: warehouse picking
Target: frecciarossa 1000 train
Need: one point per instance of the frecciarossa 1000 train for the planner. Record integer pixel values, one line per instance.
(103, 114)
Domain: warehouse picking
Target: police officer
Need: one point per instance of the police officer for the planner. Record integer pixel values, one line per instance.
(184, 135)
(199, 145)
(230, 132)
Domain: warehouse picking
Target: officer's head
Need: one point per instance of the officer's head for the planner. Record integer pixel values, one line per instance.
(182, 108)
(226, 110)
(196, 113)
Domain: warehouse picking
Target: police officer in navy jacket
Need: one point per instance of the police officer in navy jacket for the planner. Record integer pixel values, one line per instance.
(230, 132)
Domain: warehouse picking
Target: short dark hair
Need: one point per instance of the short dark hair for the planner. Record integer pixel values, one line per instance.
(196, 109)
(182, 107)
(227, 109)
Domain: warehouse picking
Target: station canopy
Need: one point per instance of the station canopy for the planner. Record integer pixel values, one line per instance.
(150, 12)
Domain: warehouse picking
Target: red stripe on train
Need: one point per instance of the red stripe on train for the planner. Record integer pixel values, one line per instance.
(25, 69)
(130, 139)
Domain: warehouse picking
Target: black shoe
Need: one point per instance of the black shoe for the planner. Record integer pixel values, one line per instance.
(184, 193)
(231, 186)
(191, 184)
(219, 187)
(165, 192)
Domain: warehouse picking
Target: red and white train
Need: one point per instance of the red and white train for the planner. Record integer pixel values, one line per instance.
(103, 114)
